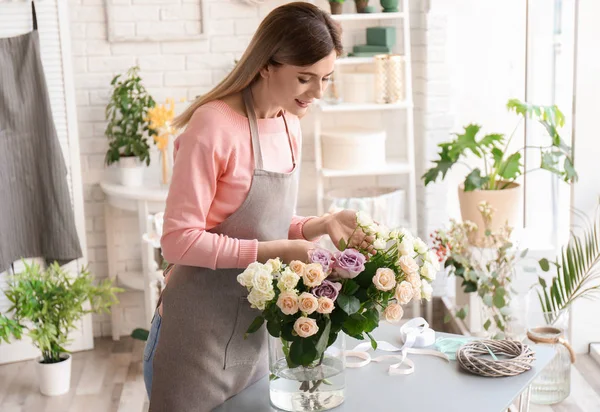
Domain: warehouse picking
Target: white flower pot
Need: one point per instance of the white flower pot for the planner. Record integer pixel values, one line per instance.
(54, 378)
(131, 171)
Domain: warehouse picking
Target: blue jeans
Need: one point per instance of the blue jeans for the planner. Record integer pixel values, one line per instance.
(150, 349)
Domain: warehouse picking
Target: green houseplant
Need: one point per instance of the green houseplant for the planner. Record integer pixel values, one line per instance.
(47, 304)
(128, 127)
(495, 183)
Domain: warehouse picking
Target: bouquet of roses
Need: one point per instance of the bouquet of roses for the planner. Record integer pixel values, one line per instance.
(307, 304)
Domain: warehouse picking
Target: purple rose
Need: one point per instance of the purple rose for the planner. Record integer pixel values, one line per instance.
(322, 256)
(327, 289)
(349, 263)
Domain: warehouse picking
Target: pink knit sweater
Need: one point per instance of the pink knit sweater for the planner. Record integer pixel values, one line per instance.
(212, 174)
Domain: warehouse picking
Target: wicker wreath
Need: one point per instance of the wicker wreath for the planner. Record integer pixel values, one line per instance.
(520, 357)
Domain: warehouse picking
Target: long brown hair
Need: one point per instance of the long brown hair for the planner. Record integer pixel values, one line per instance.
(296, 33)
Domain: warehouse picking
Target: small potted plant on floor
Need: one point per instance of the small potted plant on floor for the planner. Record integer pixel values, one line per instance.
(128, 128)
(48, 303)
(496, 183)
(336, 6)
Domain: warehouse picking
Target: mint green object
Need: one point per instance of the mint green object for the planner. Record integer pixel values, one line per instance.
(371, 49)
(381, 36)
(389, 6)
(450, 346)
(370, 9)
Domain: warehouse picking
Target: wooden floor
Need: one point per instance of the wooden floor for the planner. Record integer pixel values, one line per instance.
(109, 379)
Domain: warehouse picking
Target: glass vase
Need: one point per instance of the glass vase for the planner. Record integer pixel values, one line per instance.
(317, 387)
(554, 384)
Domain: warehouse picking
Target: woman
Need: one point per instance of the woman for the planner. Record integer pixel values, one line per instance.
(231, 202)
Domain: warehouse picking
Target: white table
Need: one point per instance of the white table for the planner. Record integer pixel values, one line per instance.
(143, 200)
(436, 385)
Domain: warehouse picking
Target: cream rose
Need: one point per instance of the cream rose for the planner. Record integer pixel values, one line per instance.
(420, 246)
(428, 271)
(415, 280)
(408, 265)
(288, 303)
(297, 267)
(263, 280)
(288, 280)
(431, 257)
(404, 292)
(305, 327)
(325, 305)
(426, 290)
(384, 279)
(308, 303)
(259, 300)
(275, 264)
(245, 278)
(393, 312)
(406, 247)
(313, 275)
(379, 244)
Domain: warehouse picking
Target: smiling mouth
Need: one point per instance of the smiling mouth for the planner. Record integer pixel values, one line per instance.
(303, 103)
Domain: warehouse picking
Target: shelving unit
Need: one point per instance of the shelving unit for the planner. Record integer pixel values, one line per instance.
(399, 167)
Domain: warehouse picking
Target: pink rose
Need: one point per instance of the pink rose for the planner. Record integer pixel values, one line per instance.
(384, 279)
(323, 257)
(307, 303)
(305, 327)
(349, 263)
(328, 289)
(325, 305)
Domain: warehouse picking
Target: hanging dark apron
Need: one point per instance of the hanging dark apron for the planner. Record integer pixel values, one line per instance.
(36, 215)
(202, 358)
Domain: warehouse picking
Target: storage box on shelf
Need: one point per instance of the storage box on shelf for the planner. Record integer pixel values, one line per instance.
(337, 147)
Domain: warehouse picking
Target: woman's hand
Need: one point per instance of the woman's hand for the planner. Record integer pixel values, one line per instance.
(342, 225)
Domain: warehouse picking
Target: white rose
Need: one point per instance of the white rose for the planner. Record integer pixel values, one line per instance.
(426, 290)
(407, 235)
(406, 247)
(245, 278)
(430, 257)
(259, 300)
(383, 232)
(379, 244)
(408, 265)
(393, 313)
(288, 279)
(404, 292)
(428, 271)
(420, 246)
(263, 280)
(394, 234)
(275, 264)
(363, 219)
(384, 279)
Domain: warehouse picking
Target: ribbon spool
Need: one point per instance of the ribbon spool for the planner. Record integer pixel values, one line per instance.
(416, 335)
(552, 336)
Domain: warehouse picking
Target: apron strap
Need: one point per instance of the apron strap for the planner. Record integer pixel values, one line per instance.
(258, 161)
(35, 25)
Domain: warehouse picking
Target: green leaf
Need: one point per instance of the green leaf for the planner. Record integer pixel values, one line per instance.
(303, 351)
(544, 265)
(348, 304)
(469, 286)
(487, 324)
(254, 326)
(511, 167)
(524, 253)
(349, 287)
(372, 320)
(140, 334)
(354, 324)
(373, 341)
(491, 140)
(447, 318)
(323, 338)
(474, 181)
(274, 328)
(499, 300)
(462, 312)
(342, 245)
(542, 281)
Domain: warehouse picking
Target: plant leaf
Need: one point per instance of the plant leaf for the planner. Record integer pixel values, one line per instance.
(544, 265)
(474, 181)
(511, 167)
(348, 304)
(254, 326)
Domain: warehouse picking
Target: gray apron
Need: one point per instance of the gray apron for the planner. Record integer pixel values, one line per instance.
(36, 215)
(202, 358)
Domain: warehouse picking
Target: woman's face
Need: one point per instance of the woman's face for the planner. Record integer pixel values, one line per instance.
(295, 87)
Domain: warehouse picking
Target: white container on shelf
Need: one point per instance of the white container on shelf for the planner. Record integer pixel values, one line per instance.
(358, 87)
(353, 148)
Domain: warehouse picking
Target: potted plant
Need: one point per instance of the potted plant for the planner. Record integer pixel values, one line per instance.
(361, 6)
(496, 183)
(48, 303)
(128, 128)
(336, 6)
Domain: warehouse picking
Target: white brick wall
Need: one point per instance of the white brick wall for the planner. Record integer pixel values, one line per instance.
(188, 68)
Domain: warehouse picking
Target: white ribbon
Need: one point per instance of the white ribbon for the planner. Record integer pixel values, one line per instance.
(416, 334)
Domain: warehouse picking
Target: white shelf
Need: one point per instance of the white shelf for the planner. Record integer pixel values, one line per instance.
(356, 107)
(390, 168)
(366, 16)
(354, 60)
